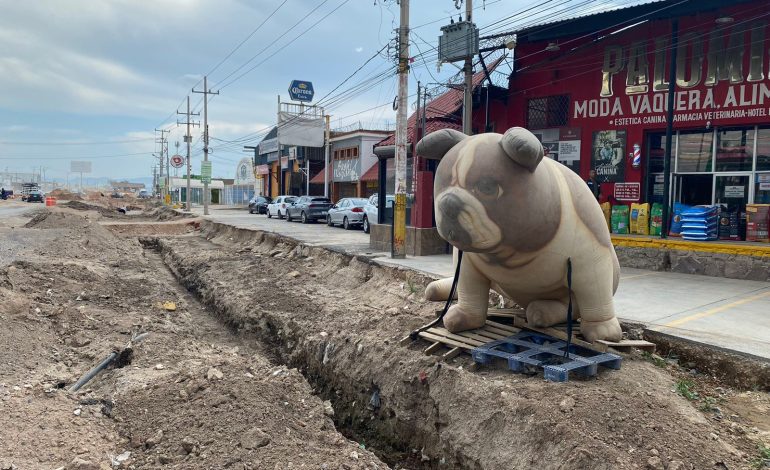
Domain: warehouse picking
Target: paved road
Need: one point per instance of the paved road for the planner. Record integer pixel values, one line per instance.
(724, 312)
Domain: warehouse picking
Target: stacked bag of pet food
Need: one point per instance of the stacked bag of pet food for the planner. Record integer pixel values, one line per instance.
(700, 223)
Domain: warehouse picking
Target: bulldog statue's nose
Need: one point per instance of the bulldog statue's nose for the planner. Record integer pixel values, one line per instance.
(451, 206)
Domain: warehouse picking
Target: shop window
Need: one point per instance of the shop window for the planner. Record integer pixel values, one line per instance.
(694, 153)
(763, 149)
(355, 151)
(551, 111)
(762, 188)
(735, 149)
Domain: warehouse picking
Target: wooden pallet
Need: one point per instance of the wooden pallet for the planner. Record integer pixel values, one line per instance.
(514, 321)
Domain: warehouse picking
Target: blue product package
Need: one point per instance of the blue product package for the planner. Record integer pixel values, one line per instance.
(676, 218)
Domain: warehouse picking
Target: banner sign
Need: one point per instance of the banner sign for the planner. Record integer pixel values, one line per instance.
(268, 146)
(206, 172)
(608, 155)
(262, 169)
(721, 79)
(300, 130)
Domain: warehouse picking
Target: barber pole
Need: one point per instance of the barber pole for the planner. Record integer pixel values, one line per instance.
(637, 161)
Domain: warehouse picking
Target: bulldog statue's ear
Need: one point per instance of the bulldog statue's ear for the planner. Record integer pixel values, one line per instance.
(436, 144)
(523, 147)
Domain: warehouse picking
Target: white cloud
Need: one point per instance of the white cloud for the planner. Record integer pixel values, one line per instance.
(359, 49)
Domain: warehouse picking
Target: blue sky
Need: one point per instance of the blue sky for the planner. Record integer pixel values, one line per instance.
(106, 73)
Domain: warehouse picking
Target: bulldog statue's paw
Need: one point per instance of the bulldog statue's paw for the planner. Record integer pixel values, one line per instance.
(608, 330)
(458, 319)
(438, 291)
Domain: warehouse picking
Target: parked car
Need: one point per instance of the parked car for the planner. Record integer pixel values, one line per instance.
(371, 211)
(35, 196)
(308, 209)
(143, 194)
(278, 206)
(259, 204)
(348, 212)
(116, 195)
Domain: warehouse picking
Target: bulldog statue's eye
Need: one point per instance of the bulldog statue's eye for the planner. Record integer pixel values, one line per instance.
(488, 187)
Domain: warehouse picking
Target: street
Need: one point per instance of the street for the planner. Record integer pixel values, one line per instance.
(729, 313)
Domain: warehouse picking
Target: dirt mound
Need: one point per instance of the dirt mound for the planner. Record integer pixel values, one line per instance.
(58, 219)
(64, 194)
(399, 396)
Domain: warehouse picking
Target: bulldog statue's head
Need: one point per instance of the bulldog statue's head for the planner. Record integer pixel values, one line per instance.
(489, 194)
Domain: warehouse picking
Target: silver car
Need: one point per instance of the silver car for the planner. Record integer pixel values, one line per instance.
(348, 211)
(370, 209)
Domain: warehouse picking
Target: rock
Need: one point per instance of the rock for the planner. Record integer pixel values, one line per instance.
(654, 463)
(188, 444)
(654, 452)
(214, 374)
(676, 465)
(164, 459)
(567, 404)
(254, 438)
(328, 408)
(354, 455)
(713, 436)
(77, 412)
(154, 440)
(121, 458)
(392, 311)
(82, 464)
(293, 274)
(159, 367)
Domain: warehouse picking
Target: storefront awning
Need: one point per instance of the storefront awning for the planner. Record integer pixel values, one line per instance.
(319, 178)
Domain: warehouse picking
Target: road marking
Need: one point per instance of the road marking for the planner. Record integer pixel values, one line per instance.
(715, 310)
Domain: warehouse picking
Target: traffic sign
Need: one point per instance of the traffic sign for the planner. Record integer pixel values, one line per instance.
(177, 161)
(300, 90)
(206, 172)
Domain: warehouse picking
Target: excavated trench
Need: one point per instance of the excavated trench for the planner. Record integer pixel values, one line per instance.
(339, 318)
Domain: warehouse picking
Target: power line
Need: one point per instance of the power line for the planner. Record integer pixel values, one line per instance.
(247, 37)
(106, 142)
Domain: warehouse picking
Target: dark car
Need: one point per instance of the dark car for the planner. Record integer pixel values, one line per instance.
(259, 204)
(35, 196)
(308, 209)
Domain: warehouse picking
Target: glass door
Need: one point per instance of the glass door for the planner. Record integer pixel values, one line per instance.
(732, 190)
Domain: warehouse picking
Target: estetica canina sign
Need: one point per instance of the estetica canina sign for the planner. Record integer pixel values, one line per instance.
(722, 78)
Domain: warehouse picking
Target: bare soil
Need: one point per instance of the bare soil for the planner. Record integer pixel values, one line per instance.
(273, 344)
(339, 319)
(194, 395)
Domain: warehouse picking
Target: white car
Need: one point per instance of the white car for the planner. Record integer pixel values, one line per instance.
(370, 209)
(278, 206)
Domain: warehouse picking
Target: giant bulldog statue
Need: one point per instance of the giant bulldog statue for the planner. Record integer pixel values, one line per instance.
(518, 218)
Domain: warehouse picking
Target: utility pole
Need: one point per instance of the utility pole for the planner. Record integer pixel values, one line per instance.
(255, 149)
(468, 96)
(188, 140)
(163, 146)
(326, 155)
(398, 241)
(206, 92)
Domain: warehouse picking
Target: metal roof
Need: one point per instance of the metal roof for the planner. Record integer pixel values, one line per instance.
(620, 17)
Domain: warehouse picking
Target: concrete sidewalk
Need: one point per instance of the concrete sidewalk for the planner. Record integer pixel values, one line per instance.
(728, 313)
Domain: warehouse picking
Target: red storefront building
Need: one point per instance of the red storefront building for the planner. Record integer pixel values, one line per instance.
(595, 91)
